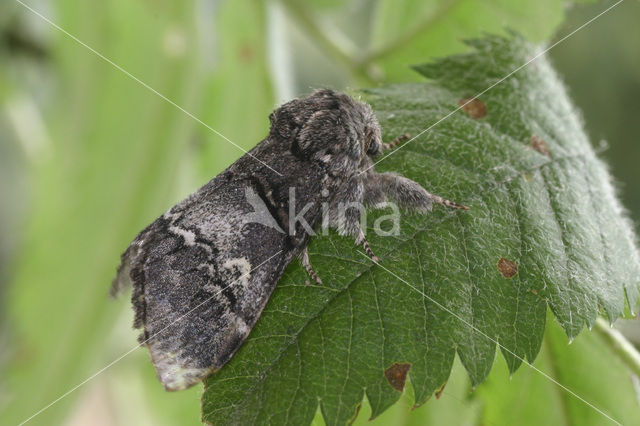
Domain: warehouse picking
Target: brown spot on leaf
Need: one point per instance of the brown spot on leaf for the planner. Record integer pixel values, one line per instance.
(507, 268)
(439, 391)
(397, 375)
(534, 291)
(539, 145)
(474, 107)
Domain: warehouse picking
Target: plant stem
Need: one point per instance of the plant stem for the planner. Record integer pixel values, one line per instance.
(627, 353)
(361, 66)
(407, 37)
(308, 23)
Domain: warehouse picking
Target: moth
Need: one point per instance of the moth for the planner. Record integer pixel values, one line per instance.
(203, 271)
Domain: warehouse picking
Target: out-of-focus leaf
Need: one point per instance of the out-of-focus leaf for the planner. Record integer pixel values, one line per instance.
(237, 93)
(439, 26)
(111, 168)
(587, 367)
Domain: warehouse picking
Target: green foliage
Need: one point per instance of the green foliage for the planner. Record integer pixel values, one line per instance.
(237, 95)
(439, 26)
(376, 41)
(113, 156)
(587, 367)
(532, 399)
(108, 141)
(554, 215)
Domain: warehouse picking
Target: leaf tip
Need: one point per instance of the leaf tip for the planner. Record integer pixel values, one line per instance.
(439, 391)
(355, 416)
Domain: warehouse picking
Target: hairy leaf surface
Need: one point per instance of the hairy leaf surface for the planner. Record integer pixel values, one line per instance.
(544, 229)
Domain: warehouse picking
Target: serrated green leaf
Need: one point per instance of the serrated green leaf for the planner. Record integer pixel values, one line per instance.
(554, 216)
(588, 367)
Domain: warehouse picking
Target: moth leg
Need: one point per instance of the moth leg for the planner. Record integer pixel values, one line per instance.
(351, 225)
(383, 187)
(396, 141)
(306, 264)
(345, 213)
(362, 240)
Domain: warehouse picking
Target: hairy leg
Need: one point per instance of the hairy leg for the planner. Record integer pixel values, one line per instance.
(362, 240)
(304, 260)
(396, 141)
(382, 187)
(345, 212)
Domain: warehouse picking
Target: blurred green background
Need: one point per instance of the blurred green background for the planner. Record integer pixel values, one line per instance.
(88, 156)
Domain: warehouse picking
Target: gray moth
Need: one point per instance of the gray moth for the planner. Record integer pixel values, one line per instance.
(203, 271)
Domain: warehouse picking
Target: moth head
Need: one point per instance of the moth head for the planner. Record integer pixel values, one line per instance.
(303, 117)
(329, 127)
